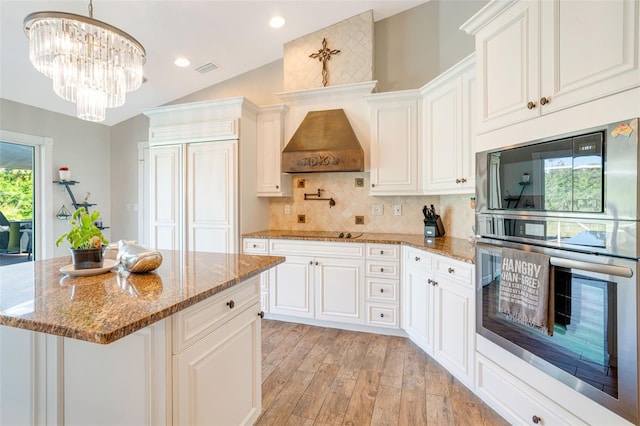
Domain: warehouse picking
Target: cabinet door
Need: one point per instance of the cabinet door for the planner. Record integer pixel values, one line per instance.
(339, 287)
(165, 197)
(394, 147)
(270, 131)
(469, 130)
(443, 137)
(589, 50)
(211, 196)
(217, 380)
(453, 326)
(291, 288)
(417, 294)
(508, 67)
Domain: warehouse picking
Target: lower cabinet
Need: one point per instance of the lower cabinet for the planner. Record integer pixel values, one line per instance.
(438, 296)
(215, 379)
(291, 290)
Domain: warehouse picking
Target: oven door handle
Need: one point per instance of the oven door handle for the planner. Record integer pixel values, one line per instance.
(618, 271)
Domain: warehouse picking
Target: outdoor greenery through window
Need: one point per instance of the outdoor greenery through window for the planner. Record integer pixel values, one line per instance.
(16, 193)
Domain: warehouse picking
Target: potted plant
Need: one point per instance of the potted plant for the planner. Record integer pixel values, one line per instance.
(85, 239)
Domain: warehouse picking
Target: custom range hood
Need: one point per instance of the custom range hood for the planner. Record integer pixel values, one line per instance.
(324, 142)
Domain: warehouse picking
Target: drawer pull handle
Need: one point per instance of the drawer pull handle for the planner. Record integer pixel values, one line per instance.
(381, 251)
(261, 314)
(417, 259)
(535, 419)
(451, 270)
(382, 290)
(381, 315)
(231, 304)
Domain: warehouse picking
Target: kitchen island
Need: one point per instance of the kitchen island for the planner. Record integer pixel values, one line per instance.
(179, 345)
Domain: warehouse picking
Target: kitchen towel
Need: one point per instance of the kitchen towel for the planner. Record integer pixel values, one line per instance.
(526, 289)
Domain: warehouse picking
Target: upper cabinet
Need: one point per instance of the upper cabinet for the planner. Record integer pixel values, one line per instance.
(537, 57)
(395, 149)
(448, 130)
(270, 142)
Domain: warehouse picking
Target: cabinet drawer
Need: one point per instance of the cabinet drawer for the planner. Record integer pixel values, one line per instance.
(315, 248)
(255, 246)
(193, 323)
(419, 258)
(383, 315)
(382, 290)
(378, 268)
(383, 251)
(519, 401)
(454, 270)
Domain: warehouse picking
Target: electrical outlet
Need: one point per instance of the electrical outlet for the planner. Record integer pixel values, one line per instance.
(301, 183)
(359, 182)
(302, 218)
(359, 220)
(397, 210)
(287, 209)
(377, 209)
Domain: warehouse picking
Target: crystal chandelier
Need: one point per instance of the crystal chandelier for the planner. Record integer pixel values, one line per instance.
(90, 62)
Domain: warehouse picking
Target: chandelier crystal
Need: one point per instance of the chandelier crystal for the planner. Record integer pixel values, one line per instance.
(90, 62)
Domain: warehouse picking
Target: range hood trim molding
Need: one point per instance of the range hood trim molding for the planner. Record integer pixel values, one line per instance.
(354, 89)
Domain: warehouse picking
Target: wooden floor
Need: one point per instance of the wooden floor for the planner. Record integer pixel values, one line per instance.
(323, 376)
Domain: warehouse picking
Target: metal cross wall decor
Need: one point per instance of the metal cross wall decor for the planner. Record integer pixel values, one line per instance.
(323, 55)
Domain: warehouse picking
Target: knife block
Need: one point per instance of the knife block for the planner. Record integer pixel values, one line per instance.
(433, 228)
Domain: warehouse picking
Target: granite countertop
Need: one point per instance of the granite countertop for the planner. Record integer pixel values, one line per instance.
(104, 308)
(456, 248)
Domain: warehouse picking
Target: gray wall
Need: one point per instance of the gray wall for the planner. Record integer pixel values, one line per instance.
(83, 146)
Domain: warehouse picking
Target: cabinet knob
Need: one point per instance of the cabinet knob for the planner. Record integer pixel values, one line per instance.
(463, 180)
(381, 315)
(381, 269)
(435, 283)
(382, 290)
(311, 262)
(381, 251)
(261, 314)
(457, 180)
(373, 185)
(531, 105)
(430, 281)
(231, 304)
(277, 186)
(417, 259)
(317, 263)
(535, 419)
(255, 245)
(451, 270)
(544, 101)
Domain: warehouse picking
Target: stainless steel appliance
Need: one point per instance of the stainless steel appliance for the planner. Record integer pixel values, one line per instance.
(575, 199)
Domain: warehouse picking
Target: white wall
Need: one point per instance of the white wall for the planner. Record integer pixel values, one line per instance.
(82, 146)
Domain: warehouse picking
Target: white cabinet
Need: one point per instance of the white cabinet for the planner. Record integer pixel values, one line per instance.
(382, 295)
(270, 133)
(217, 380)
(439, 310)
(396, 166)
(537, 57)
(327, 283)
(200, 155)
(260, 246)
(449, 128)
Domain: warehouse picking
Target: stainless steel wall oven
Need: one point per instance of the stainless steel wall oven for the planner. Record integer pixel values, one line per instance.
(573, 200)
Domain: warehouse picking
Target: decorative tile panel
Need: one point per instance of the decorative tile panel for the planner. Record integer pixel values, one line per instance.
(354, 64)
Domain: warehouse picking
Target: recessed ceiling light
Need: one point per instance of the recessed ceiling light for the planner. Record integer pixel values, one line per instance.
(277, 22)
(182, 62)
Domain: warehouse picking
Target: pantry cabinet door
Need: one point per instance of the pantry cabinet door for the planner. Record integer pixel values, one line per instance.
(589, 50)
(291, 288)
(339, 287)
(165, 197)
(508, 67)
(418, 304)
(211, 196)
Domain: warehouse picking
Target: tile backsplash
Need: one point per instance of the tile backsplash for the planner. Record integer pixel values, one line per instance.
(352, 200)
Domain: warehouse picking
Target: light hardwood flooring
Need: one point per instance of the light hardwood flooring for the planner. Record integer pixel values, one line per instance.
(324, 376)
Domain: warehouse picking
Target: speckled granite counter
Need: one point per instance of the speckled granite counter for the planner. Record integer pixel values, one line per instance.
(456, 248)
(104, 308)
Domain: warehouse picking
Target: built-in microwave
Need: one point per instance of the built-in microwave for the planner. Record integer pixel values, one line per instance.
(590, 173)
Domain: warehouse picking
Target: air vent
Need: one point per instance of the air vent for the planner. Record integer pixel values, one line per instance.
(206, 68)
